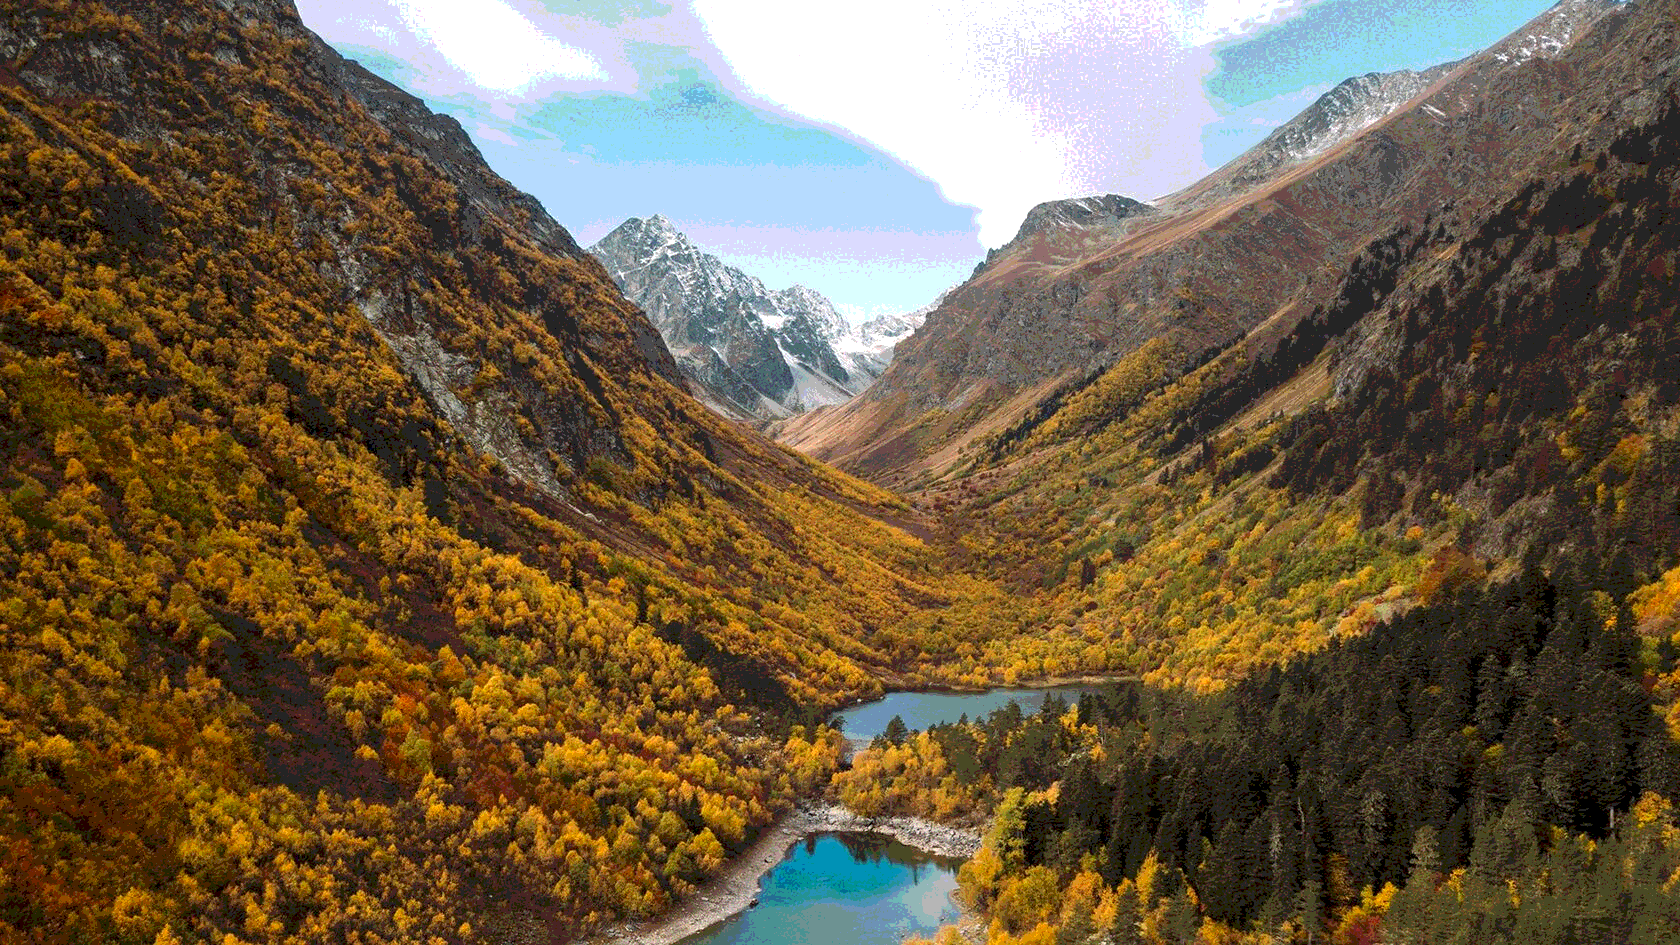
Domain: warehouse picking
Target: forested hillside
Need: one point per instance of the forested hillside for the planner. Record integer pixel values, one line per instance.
(1454, 485)
(366, 574)
(1488, 382)
(1486, 769)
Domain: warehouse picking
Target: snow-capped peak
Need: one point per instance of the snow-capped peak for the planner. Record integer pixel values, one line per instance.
(765, 352)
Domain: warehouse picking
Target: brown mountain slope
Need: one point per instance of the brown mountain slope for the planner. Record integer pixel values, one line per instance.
(1209, 274)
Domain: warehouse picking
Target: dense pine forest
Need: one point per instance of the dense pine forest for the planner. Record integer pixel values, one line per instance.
(1503, 736)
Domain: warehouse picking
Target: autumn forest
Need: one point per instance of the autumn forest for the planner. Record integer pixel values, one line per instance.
(367, 573)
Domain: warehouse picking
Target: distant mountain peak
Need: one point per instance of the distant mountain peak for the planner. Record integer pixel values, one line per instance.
(1079, 212)
(655, 231)
(1551, 32)
(658, 225)
(1358, 102)
(754, 352)
(1354, 104)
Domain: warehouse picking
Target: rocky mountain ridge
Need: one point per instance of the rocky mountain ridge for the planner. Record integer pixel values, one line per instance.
(752, 352)
(1220, 262)
(1339, 114)
(1102, 214)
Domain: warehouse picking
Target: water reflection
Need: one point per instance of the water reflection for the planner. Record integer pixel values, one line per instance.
(841, 889)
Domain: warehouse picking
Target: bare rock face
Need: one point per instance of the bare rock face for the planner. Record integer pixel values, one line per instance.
(1240, 255)
(755, 352)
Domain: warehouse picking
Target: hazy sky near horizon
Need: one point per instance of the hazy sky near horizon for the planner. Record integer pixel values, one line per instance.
(872, 150)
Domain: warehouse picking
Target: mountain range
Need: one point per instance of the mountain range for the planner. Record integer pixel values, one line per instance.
(1242, 248)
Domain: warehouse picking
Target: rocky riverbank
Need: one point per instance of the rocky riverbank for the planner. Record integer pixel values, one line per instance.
(937, 839)
(734, 889)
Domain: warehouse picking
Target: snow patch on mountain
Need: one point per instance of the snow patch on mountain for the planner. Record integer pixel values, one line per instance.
(1552, 32)
(1336, 116)
(868, 348)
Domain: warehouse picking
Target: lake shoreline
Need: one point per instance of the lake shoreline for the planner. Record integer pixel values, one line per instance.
(961, 689)
(734, 888)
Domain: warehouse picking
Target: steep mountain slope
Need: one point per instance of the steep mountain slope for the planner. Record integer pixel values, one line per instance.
(755, 352)
(367, 575)
(1488, 383)
(1339, 114)
(1210, 271)
(1401, 581)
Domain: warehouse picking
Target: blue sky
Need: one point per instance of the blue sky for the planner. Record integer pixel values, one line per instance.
(873, 149)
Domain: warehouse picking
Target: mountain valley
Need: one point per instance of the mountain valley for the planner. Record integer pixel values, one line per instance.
(381, 565)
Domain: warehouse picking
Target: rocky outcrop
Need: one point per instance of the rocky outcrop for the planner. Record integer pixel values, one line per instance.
(1105, 213)
(921, 833)
(1337, 115)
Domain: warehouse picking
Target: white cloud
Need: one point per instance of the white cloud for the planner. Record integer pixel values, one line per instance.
(1003, 103)
(485, 46)
(498, 48)
(1204, 22)
(486, 133)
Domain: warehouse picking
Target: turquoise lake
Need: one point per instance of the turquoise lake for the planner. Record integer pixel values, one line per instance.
(856, 889)
(844, 889)
(860, 723)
